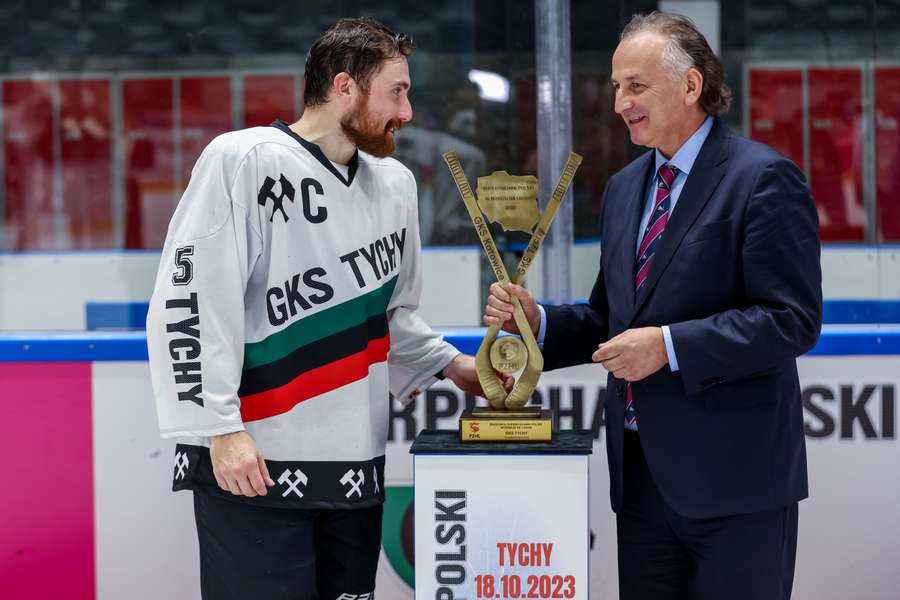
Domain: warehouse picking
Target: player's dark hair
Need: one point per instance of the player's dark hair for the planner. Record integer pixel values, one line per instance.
(355, 46)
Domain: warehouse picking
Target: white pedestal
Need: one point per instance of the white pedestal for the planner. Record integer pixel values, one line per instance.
(501, 520)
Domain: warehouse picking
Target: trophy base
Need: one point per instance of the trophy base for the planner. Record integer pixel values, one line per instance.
(522, 425)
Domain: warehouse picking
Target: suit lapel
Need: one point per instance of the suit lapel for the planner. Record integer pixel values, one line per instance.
(707, 172)
(634, 197)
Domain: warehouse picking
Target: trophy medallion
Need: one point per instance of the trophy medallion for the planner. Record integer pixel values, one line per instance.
(508, 354)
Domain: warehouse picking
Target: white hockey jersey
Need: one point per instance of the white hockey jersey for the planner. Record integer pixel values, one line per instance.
(285, 306)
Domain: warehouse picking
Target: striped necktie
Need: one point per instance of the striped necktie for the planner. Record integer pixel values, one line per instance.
(652, 236)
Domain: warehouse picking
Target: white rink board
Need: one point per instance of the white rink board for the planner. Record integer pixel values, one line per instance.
(849, 531)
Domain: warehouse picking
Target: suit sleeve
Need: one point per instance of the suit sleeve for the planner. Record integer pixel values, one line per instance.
(195, 324)
(782, 313)
(575, 330)
(417, 352)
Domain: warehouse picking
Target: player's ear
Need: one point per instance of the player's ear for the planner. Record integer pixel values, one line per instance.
(343, 87)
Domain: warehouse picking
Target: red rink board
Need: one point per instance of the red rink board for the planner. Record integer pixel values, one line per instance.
(887, 152)
(835, 113)
(150, 186)
(268, 97)
(86, 152)
(28, 168)
(205, 113)
(776, 110)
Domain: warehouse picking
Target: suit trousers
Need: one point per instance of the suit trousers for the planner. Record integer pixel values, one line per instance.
(666, 556)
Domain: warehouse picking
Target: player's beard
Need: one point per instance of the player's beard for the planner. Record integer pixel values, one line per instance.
(363, 130)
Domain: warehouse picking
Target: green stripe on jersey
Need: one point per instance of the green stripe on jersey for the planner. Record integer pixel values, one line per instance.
(318, 326)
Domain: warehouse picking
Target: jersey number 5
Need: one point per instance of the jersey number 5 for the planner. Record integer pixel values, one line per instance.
(185, 272)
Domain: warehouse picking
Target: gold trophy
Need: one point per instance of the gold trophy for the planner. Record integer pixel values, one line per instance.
(511, 201)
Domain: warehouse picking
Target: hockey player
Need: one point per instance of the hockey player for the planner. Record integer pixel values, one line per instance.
(284, 312)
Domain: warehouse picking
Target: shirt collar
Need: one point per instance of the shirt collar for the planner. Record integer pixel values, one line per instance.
(686, 155)
(317, 153)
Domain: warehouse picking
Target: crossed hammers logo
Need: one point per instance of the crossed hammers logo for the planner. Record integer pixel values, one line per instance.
(299, 477)
(355, 482)
(181, 464)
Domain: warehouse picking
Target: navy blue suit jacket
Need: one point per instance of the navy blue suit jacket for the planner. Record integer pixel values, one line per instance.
(737, 278)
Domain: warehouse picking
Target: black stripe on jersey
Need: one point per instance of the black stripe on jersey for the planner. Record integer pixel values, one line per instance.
(313, 355)
(319, 155)
(298, 484)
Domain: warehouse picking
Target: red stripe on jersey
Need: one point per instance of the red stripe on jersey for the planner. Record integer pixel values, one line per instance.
(315, 383)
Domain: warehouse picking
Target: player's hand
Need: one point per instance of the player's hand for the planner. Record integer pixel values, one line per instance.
(499, 308)
(634, 354)
(461, 371)
(238, 464)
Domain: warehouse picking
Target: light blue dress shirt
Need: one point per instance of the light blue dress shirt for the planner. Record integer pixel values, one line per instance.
(683, 161)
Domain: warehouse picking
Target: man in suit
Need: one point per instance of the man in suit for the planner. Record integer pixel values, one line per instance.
(709, 288)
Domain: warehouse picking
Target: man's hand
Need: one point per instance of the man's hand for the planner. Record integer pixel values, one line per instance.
(238, 465)
(634, 354)
(499, 308)
(461, 371)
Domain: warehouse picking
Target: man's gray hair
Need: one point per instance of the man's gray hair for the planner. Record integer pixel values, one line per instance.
(686, 48)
